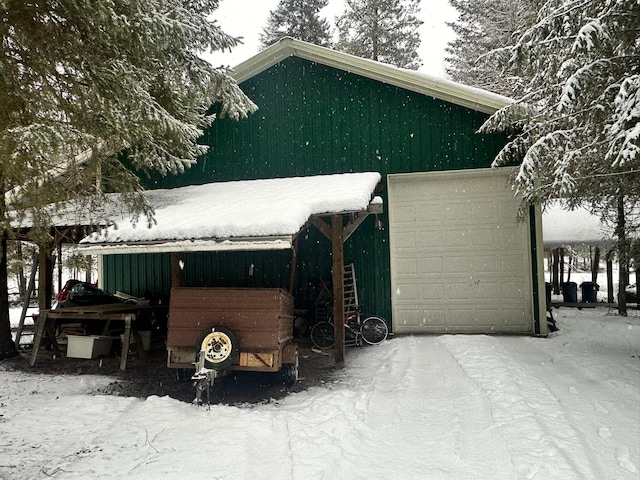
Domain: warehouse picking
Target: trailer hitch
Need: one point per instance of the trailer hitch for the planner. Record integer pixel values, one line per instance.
(203, 379)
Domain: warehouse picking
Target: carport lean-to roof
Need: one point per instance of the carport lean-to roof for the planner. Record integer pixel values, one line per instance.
(239, 215)
(263, 214)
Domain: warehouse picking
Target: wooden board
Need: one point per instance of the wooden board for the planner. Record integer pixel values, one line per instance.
(261, 318)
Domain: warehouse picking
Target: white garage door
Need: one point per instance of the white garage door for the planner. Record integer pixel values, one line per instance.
(460, 259)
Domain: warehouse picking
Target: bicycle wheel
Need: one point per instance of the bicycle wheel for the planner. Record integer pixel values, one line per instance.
(374, 330)
(322, 335)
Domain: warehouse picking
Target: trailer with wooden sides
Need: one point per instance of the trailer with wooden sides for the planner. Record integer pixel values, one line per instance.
(217, 330)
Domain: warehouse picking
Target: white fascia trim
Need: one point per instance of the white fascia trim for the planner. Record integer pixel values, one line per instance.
(271, 243)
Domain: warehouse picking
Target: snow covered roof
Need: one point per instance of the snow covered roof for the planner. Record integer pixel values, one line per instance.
(239, 215)
(456, 93)
(573, 227)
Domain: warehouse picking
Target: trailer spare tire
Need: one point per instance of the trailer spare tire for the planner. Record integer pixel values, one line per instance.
(220, 346)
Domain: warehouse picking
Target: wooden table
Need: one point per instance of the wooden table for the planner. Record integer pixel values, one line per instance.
(123, 312)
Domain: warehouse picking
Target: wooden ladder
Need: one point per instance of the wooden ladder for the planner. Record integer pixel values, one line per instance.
(323, 302)
(350, 290)
(30, 330)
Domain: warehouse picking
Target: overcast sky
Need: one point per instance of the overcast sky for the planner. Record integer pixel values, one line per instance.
(246, 18)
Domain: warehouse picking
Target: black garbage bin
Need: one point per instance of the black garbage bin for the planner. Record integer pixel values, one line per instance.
(570, 292)
(589, 292)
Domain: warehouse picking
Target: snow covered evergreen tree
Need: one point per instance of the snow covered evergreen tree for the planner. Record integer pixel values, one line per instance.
(381, 30)
(483, 26)
(299, 19)
(576, 130)
(101, 78)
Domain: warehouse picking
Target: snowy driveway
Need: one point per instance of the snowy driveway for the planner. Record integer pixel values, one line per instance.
(432, 407)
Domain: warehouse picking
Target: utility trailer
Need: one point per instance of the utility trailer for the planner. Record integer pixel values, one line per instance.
(219, 330)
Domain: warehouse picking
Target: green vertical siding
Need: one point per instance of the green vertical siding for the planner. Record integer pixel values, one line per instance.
(263, 269)
(314, 119)
(137, 274)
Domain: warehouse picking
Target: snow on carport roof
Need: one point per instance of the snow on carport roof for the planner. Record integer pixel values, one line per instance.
(249, 214)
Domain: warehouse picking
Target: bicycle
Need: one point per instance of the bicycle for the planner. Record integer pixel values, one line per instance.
(373, 330)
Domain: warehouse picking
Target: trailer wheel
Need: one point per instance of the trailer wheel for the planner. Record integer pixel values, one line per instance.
(220, 346)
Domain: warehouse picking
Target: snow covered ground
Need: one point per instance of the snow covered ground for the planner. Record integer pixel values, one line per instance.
(429, 407)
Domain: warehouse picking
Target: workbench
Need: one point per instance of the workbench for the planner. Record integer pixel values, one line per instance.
(119, 312)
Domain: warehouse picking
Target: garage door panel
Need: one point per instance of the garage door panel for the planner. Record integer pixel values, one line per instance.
(461, 263)
(424, 239)
(429, 264)
(406, 214)
(483, 237)
(456, 213)
(427, 214)
(483, 210)
(486, 263)
(511, 262)
(456, 265)
(416, 321)
(408, 266)
(407, 292)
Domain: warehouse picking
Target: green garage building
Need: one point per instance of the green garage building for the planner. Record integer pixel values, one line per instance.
(447, 253)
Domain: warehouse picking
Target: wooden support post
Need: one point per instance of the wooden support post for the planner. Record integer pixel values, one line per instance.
(294, 264)
(59, 279)
(126, 340)
(37, 337)
(43, 324)
(45, 277)
(177, 273)
(337, 269)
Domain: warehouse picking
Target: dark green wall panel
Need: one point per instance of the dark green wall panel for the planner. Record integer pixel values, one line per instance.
(137, 274)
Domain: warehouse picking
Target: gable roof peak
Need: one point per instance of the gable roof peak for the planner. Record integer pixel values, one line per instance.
(423, 83)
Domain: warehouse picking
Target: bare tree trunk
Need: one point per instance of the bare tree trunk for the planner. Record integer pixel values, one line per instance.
(561, 266)
(556, 263)
(88, 270)
(610, 277)
(7, 347)
(623, 256)
(595, 265)
(22, 282)
(375, 42)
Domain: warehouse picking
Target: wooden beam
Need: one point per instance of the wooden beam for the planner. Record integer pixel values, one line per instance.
(337, 249)
(354, 222)
(294, 263)
(322, 226)
(375, 208)
(177, 264)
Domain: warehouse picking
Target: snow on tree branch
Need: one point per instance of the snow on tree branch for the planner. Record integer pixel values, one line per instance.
(110, 78)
